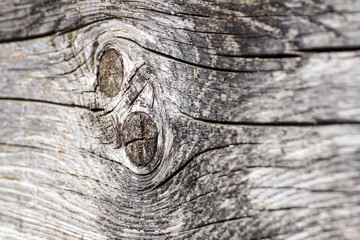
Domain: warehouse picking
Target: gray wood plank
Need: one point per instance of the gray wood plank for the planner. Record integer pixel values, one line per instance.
(208, 120)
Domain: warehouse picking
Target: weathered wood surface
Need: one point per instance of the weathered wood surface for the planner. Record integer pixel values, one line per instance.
(246, 119)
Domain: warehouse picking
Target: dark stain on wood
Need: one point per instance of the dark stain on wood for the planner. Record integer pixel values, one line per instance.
(140, 138)
(110, 72)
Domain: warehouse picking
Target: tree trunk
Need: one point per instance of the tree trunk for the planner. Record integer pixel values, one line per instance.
(180, 119)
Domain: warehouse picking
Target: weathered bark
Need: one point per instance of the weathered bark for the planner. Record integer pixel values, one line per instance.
(180, 119)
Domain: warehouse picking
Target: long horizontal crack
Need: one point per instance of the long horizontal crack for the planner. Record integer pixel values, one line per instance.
(48, 102)
(278, 124)
(263, 56)
(56, 31)
(26, 38)
(330, 49)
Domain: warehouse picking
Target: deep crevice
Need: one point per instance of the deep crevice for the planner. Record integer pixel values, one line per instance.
(42, 101)
(26, 38)
(330, 49)
(175, 14)
(263, 56)
(60, 31)
(71, 105)
(280, 123)
(96, 110)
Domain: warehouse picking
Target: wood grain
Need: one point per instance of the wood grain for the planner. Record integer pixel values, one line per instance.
(250, 124)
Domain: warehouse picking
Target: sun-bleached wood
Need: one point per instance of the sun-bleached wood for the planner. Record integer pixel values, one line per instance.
(252, 110)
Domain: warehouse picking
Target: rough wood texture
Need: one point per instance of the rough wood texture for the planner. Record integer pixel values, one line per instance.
(246, 119)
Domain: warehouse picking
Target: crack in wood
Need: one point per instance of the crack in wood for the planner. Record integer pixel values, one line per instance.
(279, 123)
(71, 105)
(276, 79)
